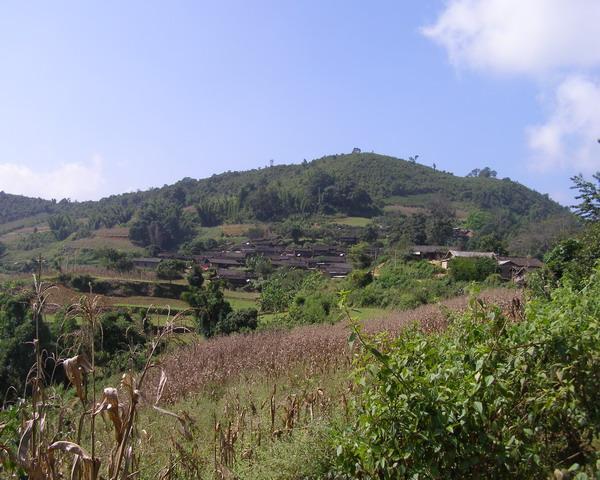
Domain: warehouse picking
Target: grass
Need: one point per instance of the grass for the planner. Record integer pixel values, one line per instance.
(352, 221)
(240, 300)
(28, 222)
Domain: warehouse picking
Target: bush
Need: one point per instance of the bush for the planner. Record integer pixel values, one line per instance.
(238, 321)
(489, 398)
(81, 282)
(360, 278)
(170, 269)
(315, 307)
(472, 269)
(277, 293)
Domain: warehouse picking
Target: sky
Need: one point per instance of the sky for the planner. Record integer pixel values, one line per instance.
(98, 98)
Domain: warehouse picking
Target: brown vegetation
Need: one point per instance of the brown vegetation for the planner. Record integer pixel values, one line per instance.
(312, 349)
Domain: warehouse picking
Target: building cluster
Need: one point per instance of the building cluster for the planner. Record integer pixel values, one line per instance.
(231, 264)
(509, 268)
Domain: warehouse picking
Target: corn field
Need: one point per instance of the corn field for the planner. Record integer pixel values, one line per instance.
(228, 400)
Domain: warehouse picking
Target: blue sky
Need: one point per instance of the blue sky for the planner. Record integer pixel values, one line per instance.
(104, 97)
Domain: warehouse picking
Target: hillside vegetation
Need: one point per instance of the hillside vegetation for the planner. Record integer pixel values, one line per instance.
(380, 197)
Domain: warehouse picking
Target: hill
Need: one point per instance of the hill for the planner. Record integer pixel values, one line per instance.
(401, 200)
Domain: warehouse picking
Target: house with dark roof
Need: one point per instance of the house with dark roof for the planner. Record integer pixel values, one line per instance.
(515, 268)
(429, 252)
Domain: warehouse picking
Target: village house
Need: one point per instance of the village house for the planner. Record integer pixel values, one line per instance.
(515, 268)
(146, 262)
(429, 252)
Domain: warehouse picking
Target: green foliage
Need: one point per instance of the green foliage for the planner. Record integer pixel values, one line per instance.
(62, 225)
(35, 240)
(260, 265)
(472, 269)
(244, 320)
(81, 282)
(199, 245)
(121, 341)
(170, 269)
(339, 184)
(312, 307)
(13, 207)
(115, 260)
(17, 330)
(441, 222)
(485, 172)
(209, 305)
(403, 284)
(359, 279)
(573, 258)
(489, 398)
(277, 292)
(314, 302)
(488, 243)
(195, 278)
(589, 194)
(160, 223)
(359, 255)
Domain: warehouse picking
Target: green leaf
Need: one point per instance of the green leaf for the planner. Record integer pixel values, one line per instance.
(479, 407)
(479, 364)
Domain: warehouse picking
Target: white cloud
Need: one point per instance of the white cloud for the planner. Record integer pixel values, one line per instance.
(78, 181)
(540, 39)
(569, 136)
(519, 36)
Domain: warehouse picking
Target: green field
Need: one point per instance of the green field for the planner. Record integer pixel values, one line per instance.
(352, 221)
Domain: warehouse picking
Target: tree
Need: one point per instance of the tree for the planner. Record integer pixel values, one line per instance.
(195, 278)
(589, 194)
(359, 255)
(160, 223)
(260, 265)
(489, 243)
(441, 222)
(485, 172)
(244, 320)
(61, 225)
(114, 260)
(170, 269)
(472, 269)
(209, 305)
(17, 331)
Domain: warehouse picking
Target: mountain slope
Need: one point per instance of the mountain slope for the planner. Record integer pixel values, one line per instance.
(358, 184)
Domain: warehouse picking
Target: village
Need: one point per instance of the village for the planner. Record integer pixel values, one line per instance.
(230, 264)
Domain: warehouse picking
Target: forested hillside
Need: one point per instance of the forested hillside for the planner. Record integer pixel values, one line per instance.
(14, 207)
(402, 199)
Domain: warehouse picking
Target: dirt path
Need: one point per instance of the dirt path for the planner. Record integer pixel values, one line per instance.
(313, 348)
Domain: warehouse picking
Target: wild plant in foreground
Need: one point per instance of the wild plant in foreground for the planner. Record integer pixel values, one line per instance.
(41, 453)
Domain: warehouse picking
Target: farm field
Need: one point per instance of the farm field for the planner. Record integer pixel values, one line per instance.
(259, 377)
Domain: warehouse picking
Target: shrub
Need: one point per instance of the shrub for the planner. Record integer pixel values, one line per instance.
(472, 269)
(489, 398)
(209, 305)
(278, 291)
(170, 269)
(360, 278)
(315, 307)
(238, 321)
(81, 282)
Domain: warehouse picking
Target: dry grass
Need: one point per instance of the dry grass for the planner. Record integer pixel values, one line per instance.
(314, 349)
